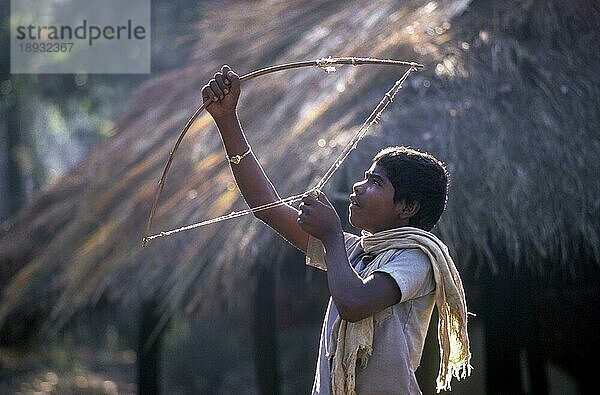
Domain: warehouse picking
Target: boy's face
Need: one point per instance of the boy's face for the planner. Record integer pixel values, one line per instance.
(372, 207)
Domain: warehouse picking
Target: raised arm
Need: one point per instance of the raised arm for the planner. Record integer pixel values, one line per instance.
(223, 92)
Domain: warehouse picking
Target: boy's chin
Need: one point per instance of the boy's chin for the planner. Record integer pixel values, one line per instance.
(355, 222)
(351, 220)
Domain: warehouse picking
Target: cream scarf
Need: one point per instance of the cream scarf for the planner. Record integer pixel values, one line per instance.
(355, 340)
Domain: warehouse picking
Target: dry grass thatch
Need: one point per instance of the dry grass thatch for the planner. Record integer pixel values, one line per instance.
(509, 100)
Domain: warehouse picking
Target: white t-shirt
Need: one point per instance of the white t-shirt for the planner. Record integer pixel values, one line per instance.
(399, 330)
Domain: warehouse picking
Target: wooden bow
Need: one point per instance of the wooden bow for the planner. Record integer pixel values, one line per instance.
(328, 64)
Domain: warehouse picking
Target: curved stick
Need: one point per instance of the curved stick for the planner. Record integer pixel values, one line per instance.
(328, 64)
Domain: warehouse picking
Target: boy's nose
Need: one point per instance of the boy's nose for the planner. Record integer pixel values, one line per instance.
(357, 187)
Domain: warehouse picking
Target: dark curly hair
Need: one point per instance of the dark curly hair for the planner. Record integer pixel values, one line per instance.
(416, 176)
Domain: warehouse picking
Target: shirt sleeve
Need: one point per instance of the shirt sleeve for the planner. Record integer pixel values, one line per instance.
(412, 271)
(315, 252)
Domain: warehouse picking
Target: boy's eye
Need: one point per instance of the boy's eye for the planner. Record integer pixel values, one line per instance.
(373, 180)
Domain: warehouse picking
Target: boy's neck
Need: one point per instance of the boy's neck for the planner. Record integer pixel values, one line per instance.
(400, 224)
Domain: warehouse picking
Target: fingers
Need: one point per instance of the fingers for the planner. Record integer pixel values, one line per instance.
(225, 70)
(208, 94)
(315, 198)
(308, 207)
(214, 85)
(230, 78)
(234, 80)
(305, 211)
(304, 208)
(323, 199)
(301, 218)
(222, 83)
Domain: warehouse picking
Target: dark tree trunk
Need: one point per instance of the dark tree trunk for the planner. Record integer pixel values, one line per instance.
(512, 335)
(265, 337)
(532, 339)
(149, 343)
(501, 310)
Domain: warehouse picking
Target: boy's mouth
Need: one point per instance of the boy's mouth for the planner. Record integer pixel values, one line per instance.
(354, 201)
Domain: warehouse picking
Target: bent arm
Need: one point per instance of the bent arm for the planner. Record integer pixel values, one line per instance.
(356, 298)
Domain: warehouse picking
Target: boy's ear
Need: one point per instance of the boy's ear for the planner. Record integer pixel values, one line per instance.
(406, 210)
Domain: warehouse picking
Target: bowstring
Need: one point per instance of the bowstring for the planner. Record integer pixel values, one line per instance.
(362, 131)
(350, 146)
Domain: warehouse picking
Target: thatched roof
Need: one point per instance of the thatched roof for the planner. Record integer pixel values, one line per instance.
(509, 100)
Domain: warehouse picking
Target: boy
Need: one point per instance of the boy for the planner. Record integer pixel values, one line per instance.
(383, 285)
